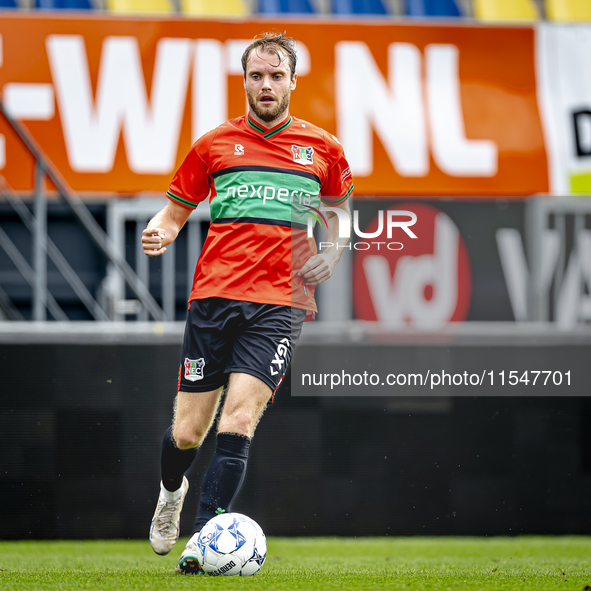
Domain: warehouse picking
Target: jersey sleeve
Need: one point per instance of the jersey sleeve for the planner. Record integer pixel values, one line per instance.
(190, 184)
(338, 184)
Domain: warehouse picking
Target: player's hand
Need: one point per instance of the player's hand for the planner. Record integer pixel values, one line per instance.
(152, 241)
(316, 270)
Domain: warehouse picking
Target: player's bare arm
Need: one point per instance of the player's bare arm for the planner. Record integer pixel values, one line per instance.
(319, 267)
(163, 228)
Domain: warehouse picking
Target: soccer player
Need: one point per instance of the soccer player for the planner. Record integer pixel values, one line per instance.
(264, 174)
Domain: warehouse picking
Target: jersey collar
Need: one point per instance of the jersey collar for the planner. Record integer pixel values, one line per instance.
(268, 133)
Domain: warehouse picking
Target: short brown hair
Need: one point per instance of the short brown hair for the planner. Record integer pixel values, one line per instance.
(273, 42)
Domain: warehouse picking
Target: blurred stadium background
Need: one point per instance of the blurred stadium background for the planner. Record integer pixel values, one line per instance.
(475, 115)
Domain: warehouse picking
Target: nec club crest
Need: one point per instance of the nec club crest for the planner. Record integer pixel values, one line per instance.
(302, 155)
(194, 369)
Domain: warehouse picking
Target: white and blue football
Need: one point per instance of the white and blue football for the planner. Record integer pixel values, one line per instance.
(231, 544)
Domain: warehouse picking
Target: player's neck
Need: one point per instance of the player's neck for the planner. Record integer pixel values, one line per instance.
(269, 124)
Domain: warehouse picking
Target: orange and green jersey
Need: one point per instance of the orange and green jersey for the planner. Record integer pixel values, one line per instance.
(262, 184)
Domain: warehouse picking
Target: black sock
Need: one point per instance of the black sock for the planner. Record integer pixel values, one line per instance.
(224, 477)
(174, 462)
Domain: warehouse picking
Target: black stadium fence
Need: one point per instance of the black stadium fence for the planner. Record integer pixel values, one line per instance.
(83, 409)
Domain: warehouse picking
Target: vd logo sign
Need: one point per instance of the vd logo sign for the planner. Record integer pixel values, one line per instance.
(426, 284)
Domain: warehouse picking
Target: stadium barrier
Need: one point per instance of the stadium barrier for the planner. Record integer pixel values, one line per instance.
(83, 409)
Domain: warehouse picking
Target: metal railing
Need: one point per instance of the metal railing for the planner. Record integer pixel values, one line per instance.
(120, 212)
(36, 275)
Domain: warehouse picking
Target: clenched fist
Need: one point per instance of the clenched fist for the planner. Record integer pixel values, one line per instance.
(152, 240)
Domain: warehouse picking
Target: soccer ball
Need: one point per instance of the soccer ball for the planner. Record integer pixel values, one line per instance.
(231, 544)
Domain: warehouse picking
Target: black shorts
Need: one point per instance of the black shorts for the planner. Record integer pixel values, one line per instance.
(224, 336)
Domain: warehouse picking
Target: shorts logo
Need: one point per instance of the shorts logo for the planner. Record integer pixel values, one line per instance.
(279, 359)
(194, 369)
(302, 155)
(238, 150)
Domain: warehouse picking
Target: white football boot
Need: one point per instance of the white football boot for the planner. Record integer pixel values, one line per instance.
(188, 562)
(164, 531)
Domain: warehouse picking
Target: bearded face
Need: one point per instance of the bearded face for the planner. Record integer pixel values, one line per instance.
(268, 107)
(268, 84)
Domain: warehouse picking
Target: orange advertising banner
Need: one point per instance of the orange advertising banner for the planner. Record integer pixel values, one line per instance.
(420, 109)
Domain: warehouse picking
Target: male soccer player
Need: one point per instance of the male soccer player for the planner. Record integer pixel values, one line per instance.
(254, 282)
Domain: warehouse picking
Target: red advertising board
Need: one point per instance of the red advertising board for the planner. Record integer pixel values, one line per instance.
(421, 109)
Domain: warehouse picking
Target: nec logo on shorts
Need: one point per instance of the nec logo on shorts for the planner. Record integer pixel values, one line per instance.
(279, 359)
(194, 369)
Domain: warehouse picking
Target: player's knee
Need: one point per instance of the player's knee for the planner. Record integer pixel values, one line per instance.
(185, 442)
(186, 438)
(237, 422)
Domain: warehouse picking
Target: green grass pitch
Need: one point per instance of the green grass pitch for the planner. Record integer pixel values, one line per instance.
(311, 563)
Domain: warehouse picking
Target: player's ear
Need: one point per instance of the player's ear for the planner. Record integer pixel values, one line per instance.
(294, 81)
